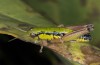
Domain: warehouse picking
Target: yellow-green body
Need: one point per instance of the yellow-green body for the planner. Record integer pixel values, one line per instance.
(49, 30)
(44, 36)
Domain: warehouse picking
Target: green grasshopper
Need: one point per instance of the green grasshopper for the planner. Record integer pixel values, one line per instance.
(47, 35)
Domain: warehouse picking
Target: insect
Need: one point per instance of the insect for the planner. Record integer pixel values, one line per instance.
(49, 33)
(61, 34)
(83, 38)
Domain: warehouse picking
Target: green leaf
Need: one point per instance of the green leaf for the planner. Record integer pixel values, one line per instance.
(19, 16)
(59, 11)
(19, 10)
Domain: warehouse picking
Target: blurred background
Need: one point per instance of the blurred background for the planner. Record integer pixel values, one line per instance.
(45, 13)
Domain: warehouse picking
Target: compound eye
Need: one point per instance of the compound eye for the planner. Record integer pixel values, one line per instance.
(32, 35)
(87, 37)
